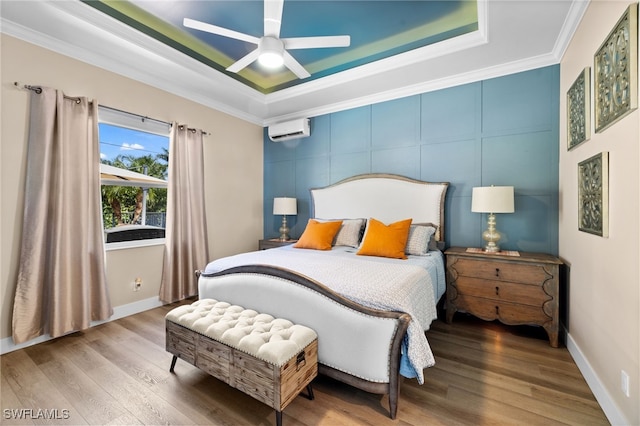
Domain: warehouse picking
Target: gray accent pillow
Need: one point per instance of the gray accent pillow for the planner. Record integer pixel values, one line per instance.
(350, 232)
(420, 236)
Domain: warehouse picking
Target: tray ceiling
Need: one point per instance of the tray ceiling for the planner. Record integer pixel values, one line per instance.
(378, 30)
(398, 48)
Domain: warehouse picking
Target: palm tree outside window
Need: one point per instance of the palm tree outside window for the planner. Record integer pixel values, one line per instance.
(129, 153)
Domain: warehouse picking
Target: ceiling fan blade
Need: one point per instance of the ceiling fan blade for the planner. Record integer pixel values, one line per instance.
(214, 29)
(316, 42)
(244, 61)
(295, 67)
(273, 17)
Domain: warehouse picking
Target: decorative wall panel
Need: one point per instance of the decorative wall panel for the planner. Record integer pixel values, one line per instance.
(396, 123)
(615, 67)
(579, 109)
(519, 102)
(593, 195)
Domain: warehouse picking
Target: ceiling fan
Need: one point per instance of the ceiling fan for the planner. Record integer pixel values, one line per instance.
(272, 50)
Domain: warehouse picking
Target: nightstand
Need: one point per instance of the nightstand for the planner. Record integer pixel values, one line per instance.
(515, 290)
(273, 243)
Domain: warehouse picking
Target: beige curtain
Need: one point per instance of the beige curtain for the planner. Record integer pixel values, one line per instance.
(61, 279)
(186, 246)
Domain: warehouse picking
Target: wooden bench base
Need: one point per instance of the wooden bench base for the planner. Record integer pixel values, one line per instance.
(268, 383)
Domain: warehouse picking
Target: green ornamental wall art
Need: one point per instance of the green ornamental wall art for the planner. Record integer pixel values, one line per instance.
(593, 195)
(615, 68)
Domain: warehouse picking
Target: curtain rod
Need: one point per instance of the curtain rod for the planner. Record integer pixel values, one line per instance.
(142, 117)
(38, 90)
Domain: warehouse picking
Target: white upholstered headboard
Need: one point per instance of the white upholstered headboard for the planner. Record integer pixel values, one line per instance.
(386, 197)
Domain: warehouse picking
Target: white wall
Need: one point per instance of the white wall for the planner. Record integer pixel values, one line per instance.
(604, 296)
(232, 155)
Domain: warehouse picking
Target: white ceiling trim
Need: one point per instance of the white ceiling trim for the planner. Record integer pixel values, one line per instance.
(74, 29)
(576, 12)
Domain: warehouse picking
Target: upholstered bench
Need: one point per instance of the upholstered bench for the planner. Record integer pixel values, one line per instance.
(270, 359)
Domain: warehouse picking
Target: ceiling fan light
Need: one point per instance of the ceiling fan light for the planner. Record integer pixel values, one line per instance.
(271, 50)
(271, 59)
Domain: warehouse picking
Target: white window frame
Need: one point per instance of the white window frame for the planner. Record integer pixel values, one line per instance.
(132, 121)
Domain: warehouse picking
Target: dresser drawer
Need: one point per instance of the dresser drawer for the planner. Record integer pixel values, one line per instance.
(214, 358)
(502, 271)
(508, 313)
(527, 294)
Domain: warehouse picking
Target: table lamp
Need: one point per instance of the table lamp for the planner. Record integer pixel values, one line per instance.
(284, 206)
(492, 199)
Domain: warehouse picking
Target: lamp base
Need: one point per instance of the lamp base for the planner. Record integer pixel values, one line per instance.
(491, 248)
(284, 229)
(491, 235)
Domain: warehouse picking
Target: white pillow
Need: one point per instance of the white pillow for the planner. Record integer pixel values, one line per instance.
(419, 237)
(349, 233)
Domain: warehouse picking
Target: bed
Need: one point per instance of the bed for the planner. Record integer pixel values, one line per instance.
(370, 311)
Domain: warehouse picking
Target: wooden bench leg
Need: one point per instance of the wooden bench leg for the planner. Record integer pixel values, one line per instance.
(278, 418)
(173, 363)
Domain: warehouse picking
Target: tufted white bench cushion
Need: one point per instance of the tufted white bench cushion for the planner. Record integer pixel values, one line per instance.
(274, 340)
(270, 359)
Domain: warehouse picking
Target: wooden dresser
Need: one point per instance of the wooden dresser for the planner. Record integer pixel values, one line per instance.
(515, 290)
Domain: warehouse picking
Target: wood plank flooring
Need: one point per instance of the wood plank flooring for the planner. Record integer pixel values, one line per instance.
(118, 374)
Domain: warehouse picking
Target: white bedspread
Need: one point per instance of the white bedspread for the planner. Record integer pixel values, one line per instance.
(387, 284)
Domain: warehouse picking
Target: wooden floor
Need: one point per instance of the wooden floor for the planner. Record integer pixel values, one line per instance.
(118, 373)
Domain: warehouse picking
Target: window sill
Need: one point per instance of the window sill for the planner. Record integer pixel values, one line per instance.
(134, 244)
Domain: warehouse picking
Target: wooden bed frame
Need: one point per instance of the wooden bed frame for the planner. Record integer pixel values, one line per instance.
(370, 359)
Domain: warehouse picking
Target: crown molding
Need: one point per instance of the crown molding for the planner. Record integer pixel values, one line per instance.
(571, 23)
(55, 25)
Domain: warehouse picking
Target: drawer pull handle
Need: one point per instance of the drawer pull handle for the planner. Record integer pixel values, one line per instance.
(497, 291)
(497, 272)
(300, 361)
(498, 310)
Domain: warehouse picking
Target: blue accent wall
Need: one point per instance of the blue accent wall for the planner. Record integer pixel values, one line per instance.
(502, 131)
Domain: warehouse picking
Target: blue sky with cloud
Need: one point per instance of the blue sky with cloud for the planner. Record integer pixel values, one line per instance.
(116, 141)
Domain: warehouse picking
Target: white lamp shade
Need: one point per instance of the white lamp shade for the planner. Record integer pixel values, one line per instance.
(492, 199)
(285, 206)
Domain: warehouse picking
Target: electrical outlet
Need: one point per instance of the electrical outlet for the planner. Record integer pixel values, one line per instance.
(137, 284)
(624, 382)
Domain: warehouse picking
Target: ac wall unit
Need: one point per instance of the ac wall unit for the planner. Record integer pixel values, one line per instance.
(289, 130)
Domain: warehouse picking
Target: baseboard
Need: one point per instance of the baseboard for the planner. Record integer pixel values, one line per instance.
(7, 345)
(607, 403)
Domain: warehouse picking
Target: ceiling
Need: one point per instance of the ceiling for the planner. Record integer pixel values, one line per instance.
(398, 48)
(378, 30)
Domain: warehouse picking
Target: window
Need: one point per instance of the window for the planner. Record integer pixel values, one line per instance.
(134, 153)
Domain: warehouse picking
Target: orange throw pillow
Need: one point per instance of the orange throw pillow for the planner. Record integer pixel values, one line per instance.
(385, 240)
(318, 235)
